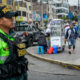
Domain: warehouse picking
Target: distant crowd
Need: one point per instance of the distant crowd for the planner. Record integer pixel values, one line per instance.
(72, 32)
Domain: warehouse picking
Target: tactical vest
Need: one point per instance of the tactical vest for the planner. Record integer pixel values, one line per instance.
(12, 64)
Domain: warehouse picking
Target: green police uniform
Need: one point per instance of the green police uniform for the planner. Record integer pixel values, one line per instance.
(4, 53)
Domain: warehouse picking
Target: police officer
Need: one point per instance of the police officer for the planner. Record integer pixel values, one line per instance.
(12, 65)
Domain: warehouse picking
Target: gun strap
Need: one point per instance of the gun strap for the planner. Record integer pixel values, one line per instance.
(4, 38)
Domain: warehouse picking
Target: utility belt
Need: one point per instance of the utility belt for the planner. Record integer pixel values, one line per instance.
(14, 69)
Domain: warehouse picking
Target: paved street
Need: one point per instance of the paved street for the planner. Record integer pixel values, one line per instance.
(44, 76)
(74, 58)
(42, 70)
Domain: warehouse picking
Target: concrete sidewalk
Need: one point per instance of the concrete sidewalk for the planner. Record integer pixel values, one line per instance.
(62, 58)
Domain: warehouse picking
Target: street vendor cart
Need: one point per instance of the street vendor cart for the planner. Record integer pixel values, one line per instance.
(57, 33)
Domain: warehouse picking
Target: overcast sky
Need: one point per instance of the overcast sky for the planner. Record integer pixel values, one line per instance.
(73, 2)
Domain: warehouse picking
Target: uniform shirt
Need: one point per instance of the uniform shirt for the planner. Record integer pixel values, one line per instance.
(4, 49)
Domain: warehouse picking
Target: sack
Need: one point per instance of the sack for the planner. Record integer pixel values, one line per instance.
(71, 34)
(50, 50)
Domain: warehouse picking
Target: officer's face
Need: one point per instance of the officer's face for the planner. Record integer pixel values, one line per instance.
(7, 22)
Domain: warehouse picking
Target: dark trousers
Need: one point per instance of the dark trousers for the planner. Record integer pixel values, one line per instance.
(24, 76)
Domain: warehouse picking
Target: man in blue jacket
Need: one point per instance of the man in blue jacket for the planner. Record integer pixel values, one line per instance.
(71, 36)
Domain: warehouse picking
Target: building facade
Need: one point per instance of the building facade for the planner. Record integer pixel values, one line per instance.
(24, 9)
(62, 7)
(51, 11)
(29, 12)
(74, 10)
(39, 13)
(7, 2)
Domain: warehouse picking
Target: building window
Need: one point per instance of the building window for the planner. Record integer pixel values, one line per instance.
(0, 1)
(59, 16)
(20, 3)
(25, 5)
(24, 13)
(25, 0)
(27, 15)
(58, 5)
(30, 8)
(10, 2)
(30, 15)
(19, 13)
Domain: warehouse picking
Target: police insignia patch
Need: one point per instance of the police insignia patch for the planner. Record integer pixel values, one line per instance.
(6, 9)
(7, 48)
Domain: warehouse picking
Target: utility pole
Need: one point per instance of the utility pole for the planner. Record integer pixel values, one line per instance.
(78, 9)
(41, 3)
(78, 4)
(13, 5)
(32, 10)
(48, 9)
(42, 22)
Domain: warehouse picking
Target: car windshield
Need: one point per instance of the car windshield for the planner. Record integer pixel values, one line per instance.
(27, 28)
(35, 29)
(23, 28)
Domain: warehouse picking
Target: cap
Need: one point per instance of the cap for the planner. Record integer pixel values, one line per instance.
(6, 11)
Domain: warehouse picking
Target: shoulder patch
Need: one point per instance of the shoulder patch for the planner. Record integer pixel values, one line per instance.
(7, 48)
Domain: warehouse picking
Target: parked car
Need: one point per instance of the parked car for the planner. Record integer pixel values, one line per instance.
(36, 32)
(27, 33)
(24, 34)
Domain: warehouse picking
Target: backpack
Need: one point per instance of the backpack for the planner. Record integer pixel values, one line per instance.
(66, 35)
(42, 40)
(50, 50)
(71, 35)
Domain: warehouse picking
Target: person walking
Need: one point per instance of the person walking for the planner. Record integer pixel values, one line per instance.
(66, 27)
(13, 64)
(48, 37)
(76, 27)
(71, 37)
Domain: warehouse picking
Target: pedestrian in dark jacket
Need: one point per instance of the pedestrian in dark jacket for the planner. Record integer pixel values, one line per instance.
(42, 41)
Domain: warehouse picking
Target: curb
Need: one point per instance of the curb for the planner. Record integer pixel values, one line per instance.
(64, 64)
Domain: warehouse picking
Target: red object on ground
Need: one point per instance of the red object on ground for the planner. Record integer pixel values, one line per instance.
(50, 50)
